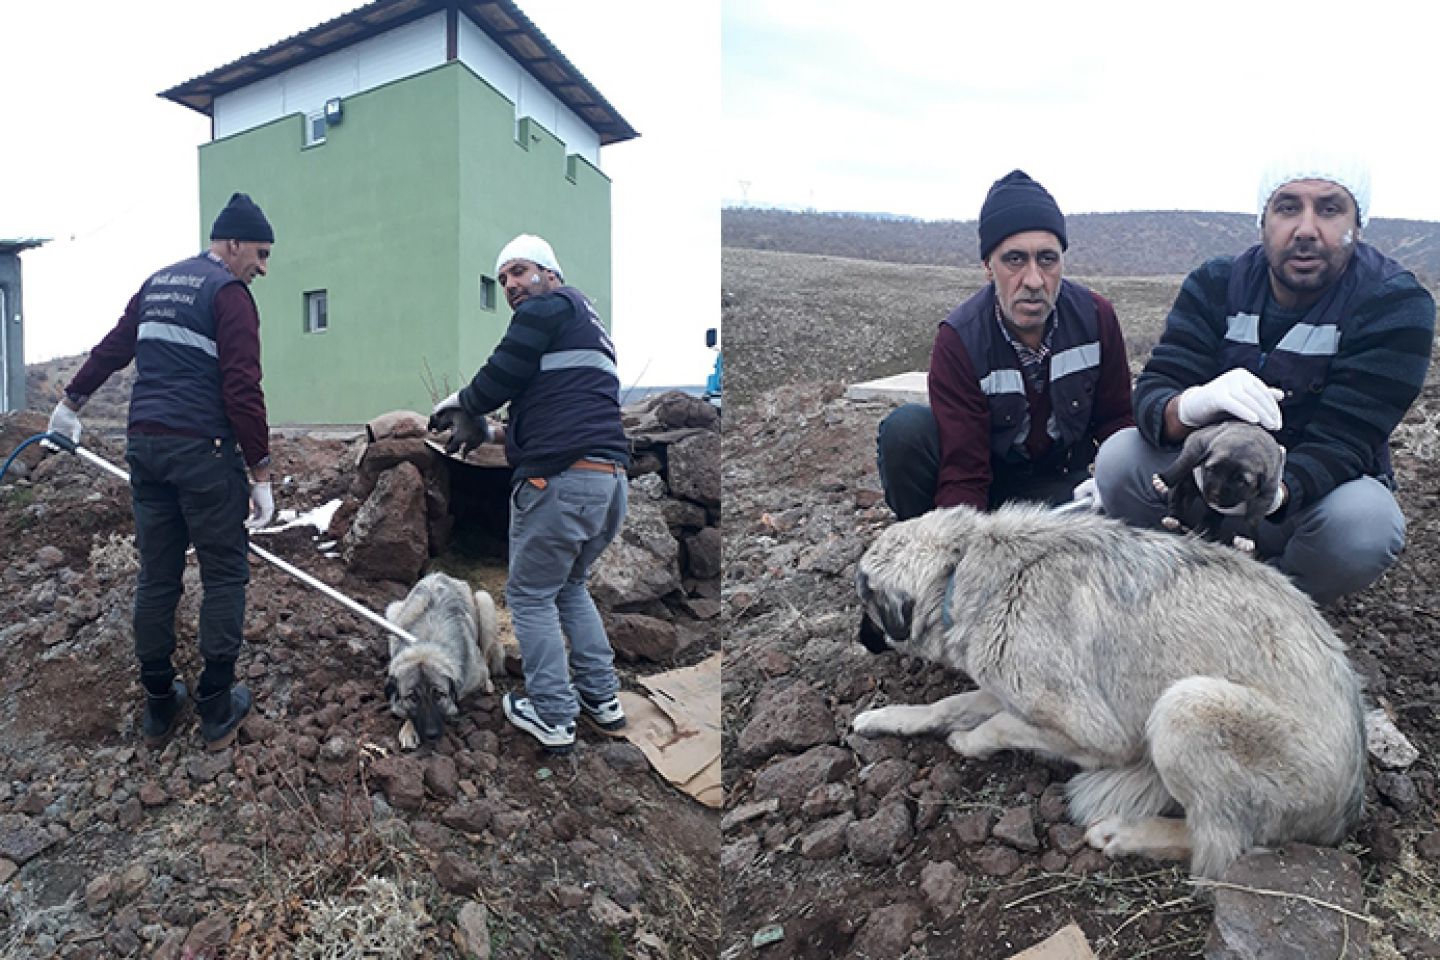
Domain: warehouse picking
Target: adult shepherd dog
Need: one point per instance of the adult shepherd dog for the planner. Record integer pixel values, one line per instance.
(457, 653)
(1180, 675)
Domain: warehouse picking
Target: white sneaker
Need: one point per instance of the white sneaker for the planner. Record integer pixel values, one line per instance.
(607, 714)
(555, 737)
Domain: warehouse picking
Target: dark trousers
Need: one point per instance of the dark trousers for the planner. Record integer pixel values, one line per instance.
(185, 492)
(908, 457)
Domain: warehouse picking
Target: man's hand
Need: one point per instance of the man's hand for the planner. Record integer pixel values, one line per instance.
(466, 432)
(1087, 492)
(1236, 393)
(64, 421)
(262, 505)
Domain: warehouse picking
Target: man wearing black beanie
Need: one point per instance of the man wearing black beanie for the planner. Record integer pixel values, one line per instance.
(1026, 377)
(197, 423)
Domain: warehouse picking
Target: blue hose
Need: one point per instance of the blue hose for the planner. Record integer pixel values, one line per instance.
(56, 438)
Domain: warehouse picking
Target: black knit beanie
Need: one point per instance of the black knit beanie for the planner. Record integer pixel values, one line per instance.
(1015, 204)
(242, 220)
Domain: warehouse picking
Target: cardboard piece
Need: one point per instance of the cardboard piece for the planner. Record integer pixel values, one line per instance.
(677, 727)
(1068, 944)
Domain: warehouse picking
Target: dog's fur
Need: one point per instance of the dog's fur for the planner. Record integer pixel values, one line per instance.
(1225, 469)
(1171, 669)
(458, 652)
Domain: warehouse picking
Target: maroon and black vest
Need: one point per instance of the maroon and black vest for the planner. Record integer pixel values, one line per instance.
(177, 366)
(1073, 371)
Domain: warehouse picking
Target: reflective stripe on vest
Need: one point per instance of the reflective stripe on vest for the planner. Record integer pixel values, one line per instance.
(1003, 381)
(1075, 360)
(174, 333)
(570, 359)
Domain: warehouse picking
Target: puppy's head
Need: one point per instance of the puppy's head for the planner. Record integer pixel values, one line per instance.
(422, 694)
(907, 569)
(1242, 464)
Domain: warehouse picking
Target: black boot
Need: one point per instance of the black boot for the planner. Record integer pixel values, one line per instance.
(162, 714)
(220, 715)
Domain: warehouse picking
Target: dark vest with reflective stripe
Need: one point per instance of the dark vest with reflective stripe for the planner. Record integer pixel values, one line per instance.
(571, 408)
(1074, 371)
(1300, 363)
(177, 367)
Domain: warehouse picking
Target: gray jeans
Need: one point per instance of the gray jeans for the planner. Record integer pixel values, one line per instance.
(1328, 549)
(556, 532)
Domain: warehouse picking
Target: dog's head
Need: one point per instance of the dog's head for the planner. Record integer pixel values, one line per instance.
(422, 691)
(902, 577)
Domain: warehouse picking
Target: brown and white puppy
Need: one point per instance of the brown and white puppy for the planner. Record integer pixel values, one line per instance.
(1226, 469)
(458, 652)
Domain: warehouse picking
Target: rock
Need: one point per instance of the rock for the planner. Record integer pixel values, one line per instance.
(827, 800)
(99, 892)
(609, 914)
(1399, 790)
(1250, 925)
(996, 861)
(225, 860)
(789, 781)
(888, 776)
(887, 931)
(642, 563)
(403, 781)
(568, 895)
(622, 756)
(735, 857)
(469, 817)
(456, 874)
(636, 636)
(442, 778)
(944, 886)
(1066, 837)
(827, 839)
(21, 838)
(1017, 828)
(49, 557)
(472, 931)
(876, 839)
(208, 936)
(153, 794)
(1386, 743)
(747, 812)
(703, 553)
(694, 468)
(388, 539)
(788, 716)
(8, 869)
(974, 827)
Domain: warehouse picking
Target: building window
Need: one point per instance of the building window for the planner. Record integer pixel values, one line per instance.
(487, 293)
(314, 128)
(317, 314)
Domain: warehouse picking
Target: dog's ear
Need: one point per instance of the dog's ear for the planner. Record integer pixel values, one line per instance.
(871, 636)
(391, 688)
(896, 611)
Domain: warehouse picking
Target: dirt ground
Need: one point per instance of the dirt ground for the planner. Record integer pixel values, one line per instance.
(983, 862)
(314, 833)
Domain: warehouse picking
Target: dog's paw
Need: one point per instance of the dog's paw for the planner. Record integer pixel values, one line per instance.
(968, 743)
(874, 723)
(1170, 523)
(1108, 836)
(1160, 486)
(1243, 544)
(409, 739)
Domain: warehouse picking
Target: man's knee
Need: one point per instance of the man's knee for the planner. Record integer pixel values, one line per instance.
(907, 430)
(1123, 466)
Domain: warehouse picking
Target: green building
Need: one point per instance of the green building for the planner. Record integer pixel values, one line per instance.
(395, 150)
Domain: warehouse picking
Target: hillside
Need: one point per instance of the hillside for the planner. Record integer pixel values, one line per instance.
(1137, 244)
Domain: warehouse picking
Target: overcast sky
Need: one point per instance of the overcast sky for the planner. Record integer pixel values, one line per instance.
(92, 158)
(915, 108)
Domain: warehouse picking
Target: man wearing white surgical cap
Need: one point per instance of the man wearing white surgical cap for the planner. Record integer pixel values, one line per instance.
(1313, 334)
(555, 366)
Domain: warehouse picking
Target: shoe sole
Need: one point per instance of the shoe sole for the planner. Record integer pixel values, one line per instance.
(614, 726)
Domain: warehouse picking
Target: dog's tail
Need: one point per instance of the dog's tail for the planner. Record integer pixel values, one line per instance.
(1132, 792)
(489, 623)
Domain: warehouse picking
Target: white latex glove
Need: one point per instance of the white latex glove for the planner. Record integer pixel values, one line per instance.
(1236, 393)
(262, 505)
(1089, 493)
(451, 402)
(65, 422)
